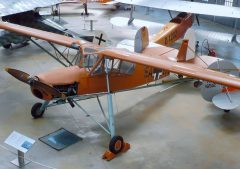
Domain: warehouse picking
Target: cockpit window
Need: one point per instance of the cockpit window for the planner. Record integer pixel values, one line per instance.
(89, 50)
(127, 67)
(89, 60)
(115, 66)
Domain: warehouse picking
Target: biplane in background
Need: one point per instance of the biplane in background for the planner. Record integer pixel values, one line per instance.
(104, 71)
(26, 13)
(173, 30)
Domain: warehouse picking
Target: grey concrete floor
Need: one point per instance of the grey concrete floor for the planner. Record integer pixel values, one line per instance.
(172, 129)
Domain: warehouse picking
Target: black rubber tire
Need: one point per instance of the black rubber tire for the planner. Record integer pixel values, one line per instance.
(197, 84)
(35, 110)
(227, 111)
(112, 145)
(180, 76)
(7, 46)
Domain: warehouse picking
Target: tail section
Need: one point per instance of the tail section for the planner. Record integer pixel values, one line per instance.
(191, 37)
(141, 40)
(182, 54)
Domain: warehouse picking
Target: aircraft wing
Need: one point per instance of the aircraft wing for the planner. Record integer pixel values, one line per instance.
(47, 36)
(9, 7)
(183, 68)
(187, 6)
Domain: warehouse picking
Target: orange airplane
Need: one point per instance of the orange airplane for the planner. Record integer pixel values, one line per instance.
(174, 30)
(103, 71)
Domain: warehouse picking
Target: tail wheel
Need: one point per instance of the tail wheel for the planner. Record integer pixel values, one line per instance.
(227, 111)
(197, 84)
(7, 46)
(180, 76)
(116, 144)
(36, 113)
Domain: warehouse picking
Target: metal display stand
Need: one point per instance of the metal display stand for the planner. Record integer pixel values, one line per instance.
(23, 144)
(20, 161)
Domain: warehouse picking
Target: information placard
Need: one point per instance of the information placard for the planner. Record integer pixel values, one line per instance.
(19, 141)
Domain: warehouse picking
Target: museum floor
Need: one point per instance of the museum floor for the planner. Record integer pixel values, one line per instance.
(172, 129)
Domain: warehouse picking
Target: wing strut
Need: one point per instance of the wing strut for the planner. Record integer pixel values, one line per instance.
(59, 56)
(110, 104)
(116, 144)
(131, 18)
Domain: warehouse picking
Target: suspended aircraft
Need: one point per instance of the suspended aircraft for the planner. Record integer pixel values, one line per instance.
(188, 7)
(104, 71)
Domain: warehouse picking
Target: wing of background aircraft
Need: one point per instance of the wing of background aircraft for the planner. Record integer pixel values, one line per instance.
(183, 68)
(187, 6)
(9, 7)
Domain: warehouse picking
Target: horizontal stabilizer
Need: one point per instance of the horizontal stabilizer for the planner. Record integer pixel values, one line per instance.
(227, 101)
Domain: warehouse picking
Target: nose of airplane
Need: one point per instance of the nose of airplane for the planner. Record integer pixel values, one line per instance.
(44, 91)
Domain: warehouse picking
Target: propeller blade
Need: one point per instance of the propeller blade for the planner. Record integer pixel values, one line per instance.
(48, 89)
(20, 75)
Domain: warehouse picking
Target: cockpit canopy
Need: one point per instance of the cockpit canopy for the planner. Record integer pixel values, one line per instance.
(99, 65)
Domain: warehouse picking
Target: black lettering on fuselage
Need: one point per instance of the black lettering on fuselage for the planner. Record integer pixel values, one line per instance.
(170, 38)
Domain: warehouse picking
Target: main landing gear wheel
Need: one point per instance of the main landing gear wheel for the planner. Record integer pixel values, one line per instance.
(226, 111)
(36, 113)
(116, 144)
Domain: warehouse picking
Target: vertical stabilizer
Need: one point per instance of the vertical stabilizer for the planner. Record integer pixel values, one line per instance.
(141, 40)
(190, 35)
(182, 54)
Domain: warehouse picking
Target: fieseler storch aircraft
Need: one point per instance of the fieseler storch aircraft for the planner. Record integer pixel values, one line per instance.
(104, 71)
(26, 13)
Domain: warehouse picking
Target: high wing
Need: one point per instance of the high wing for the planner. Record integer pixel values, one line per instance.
(183, 68)
(47, 36)
(9, 7)
(187, 6)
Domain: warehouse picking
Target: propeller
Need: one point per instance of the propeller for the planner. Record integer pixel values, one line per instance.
(44, 87)
(20, 75)
(34, 83)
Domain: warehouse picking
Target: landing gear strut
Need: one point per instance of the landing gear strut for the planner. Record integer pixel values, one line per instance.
(116, 145)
